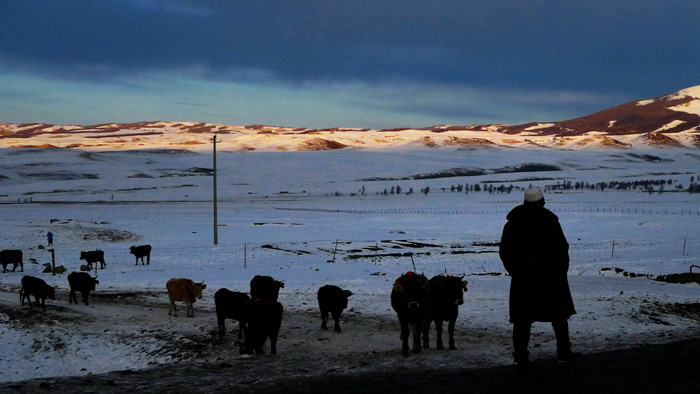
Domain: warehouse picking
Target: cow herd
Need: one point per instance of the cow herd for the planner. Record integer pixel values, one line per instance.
(417, 301)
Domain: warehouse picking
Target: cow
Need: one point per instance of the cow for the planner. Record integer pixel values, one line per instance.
(265, 321)
(232, 305)
(447, 294)
(13, 257)
(410, 298)
(82, 282)
(265, 288)
(94, 256)
(332, 299)
(185, 290)
(140, 252)
(32, 286)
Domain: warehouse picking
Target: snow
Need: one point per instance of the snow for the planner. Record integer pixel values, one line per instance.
(691, 107)
(283, 213)
(540, 126)
(670, 125)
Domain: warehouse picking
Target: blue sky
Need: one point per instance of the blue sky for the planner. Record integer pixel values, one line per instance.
(309, 63)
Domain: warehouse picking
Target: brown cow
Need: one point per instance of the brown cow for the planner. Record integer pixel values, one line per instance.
(410, 298)
(447, 294)
(185, 290)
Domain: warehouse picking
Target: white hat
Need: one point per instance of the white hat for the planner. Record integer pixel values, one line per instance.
(533, 194)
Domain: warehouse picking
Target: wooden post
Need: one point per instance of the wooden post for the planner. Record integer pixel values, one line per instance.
(612, 255)
(216, 215)
(684, 241)
(53, 262)
(334, 251)
(245, 255)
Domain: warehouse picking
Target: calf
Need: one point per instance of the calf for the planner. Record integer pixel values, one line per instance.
(265, 321)
(332, 299)
(410, 298)
(13, 257)
(265, 288)
(232, 305)
(447, 295)
(185, 290)
(38, 288)
(82, 282)
(140, 252)
(94, 256)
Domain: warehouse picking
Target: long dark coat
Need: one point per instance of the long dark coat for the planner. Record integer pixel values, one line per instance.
(535, 253)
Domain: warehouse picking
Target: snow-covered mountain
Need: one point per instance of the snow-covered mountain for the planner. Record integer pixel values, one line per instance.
(672, 120)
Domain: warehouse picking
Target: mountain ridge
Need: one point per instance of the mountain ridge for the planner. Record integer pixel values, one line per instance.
(671, 120)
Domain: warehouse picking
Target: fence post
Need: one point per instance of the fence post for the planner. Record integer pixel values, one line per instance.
(684, 241)
(612, 255)
(245, 255)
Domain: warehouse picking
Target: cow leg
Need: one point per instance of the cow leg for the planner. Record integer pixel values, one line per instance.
(173, 310)
(336, 317)
(148, 259)
(404, 337)
(43, 304)
(426, 334)
(451, 333)
(415, 331)
(324, 319)
(190, 309)
(273, 343)
(424, 329)
(221, 323)
(85, 295)
(438, 334)
(71, 297)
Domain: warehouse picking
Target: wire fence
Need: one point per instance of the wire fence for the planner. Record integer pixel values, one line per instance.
(473, 256)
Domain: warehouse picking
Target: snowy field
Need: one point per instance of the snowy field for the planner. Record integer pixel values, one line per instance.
(316, 218)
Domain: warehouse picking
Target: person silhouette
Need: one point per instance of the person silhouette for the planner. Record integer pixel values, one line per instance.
(49, 237)
(535, 253)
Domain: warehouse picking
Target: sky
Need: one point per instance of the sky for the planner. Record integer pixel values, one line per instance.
(311, 63)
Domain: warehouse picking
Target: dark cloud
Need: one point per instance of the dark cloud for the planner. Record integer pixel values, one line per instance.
(543, 44)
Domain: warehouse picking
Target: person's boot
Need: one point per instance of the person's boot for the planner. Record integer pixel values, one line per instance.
(567, 355)
(521, 358)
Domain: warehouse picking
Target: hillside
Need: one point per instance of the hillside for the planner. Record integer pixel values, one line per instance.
(672, 120)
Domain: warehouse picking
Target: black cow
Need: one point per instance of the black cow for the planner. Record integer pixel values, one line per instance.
(265, 321)
(332, 299)
(93, 256)
(410, 298)
(140, 252)
(38, 288)
(265, 288)
(82, 282)
(447, 294)
(13, 257)
(232, 305)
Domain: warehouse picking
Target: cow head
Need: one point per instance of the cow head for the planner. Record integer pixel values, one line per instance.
(50, 293)
(83, 255)
(342, 296)
(414, 288)
(454, 288)
(198, 288)
(132, 249)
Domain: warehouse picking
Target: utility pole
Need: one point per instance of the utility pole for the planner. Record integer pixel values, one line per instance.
(216, 213)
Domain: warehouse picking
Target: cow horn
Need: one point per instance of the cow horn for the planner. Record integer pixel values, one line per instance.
(462, 277)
